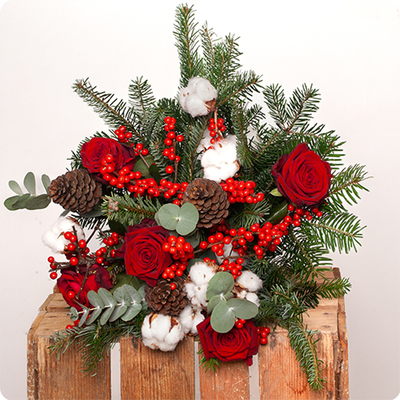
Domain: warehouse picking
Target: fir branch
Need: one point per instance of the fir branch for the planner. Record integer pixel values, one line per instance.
(141, 97)
(334, 288)
(127, 210)
(337, 231)
(250, 214)
(303, 341)
(186, 36)
(301, 106)
(274, 98)
(114, 112)
(347, 184)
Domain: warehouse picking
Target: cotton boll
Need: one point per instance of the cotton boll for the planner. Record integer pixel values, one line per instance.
(253, 298)
(163, 346)
(54, 242)
(160, 326)
(150, 342)
(201, 273)
(250, 281)
(175, 335)
(242, 294)
(190, 317)
(201, 292)
(190, 289)
(197, 98)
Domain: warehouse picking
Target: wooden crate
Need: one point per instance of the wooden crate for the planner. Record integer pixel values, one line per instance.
(148, 374)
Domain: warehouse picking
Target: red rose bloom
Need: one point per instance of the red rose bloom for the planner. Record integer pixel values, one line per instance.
(71, 281)
(143, 251)
(302, 177)
(237, 344)
(96, 149)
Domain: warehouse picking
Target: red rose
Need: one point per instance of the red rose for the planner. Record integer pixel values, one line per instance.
(143, 251)
(237, 344)
(302, 177)
(71, 281)
(96, 149)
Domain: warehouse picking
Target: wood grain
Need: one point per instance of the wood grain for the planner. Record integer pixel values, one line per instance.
(154, 374)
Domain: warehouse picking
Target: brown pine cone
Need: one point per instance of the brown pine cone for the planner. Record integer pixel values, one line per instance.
(76, 190)
(210, 200)
(163, 300)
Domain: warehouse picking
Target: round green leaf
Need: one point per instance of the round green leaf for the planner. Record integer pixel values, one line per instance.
(93, 316)
(14, 186)
(134, 296)
(168, 215)
(243, 309)
(107, 297)
(222, 318)
(30, 183)
(220, 283)
(187, 220)
(74, 314)
(214, 301)
(131, 312)
(16, 202)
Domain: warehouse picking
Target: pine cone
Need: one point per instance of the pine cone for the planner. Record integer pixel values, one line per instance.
(163, 300)
(210, 200)
(76, 190)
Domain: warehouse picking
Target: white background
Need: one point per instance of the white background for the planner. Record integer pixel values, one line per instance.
(350, 50)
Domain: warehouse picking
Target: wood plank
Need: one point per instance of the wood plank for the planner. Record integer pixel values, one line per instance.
(156, 375)
(280, 376)
(229, 381)
(52, 379)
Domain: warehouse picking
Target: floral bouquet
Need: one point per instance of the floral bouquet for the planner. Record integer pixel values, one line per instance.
(211, 221)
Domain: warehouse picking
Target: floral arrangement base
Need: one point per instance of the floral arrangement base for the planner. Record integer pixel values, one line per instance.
(148, 374)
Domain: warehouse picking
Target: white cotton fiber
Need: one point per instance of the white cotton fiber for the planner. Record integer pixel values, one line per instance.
(253, 298)
(201, 273)
(250, 281)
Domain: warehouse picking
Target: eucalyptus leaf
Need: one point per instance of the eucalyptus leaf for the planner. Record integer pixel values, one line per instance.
(187, 220)
(95, 299)
(118, 311)
(14, 186)
(168, 215)
(94, 315)
(135, 297)
(107, 297)
(125, 279)
(220, 283)
(156, 218)
(16, 202)
(106, 315)
(46, 181)
(38, 202)
(30, 183)
(222, 318)
(84, 316)
(131, 312)
(74, 314)
(242, 308)
(214, 301)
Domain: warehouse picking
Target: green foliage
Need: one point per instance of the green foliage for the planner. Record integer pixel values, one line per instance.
(29, 200)
(182, 219)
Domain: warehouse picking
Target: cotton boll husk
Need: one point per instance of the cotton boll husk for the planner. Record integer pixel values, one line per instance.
(201, 273)
(253, 298)
(250, 281)
(160, 326)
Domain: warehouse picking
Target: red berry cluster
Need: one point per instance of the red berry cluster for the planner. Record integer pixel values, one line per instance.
(123, 135)
(117, 178)
(169, 141)
(216, 129)
(241, 191)
(139, 149)
(109, 241)
(263, 332)
(181, 251)
(299, 212)
(239, 323)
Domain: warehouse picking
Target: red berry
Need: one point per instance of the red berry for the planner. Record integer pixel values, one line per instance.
(68, 327)
(74, 261)
(71, 294)
(263, 340)
(50, 259)
(53, 275)
(169, 169)
(173, 285)
(179, 138)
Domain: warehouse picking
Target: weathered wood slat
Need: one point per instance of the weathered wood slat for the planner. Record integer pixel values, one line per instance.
(153, 374)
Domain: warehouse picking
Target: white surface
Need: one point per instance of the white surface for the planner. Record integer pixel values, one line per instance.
(347, 49)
